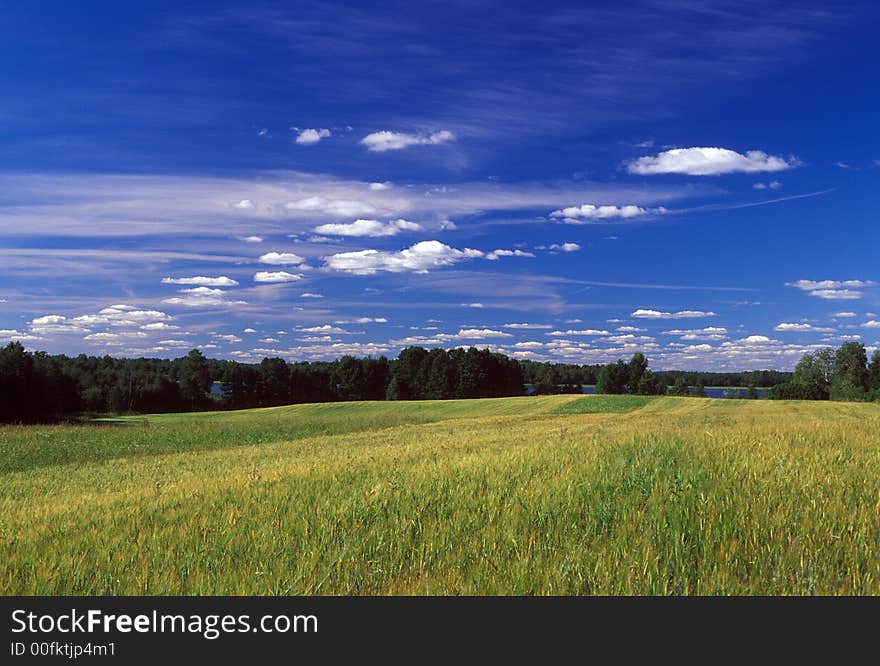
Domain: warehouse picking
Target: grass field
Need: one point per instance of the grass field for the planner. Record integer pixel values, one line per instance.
(541, 495)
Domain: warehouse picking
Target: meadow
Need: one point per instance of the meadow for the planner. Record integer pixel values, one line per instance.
(536, 495)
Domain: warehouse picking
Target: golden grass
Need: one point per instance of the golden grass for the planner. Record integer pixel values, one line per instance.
(505, 496)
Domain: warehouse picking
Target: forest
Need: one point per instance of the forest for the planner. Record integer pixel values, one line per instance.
(36, 386)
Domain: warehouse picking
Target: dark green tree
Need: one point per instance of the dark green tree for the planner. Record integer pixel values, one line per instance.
(850, 380)
(195, 380)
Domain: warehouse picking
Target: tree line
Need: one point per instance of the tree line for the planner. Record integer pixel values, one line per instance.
(41, 387)
(829, 374)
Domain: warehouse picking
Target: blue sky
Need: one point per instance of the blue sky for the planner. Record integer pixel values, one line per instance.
(567, 182)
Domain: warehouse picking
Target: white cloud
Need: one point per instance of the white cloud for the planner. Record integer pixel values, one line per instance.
(630, 329)
(12, 334)
(335, 207)
(471, 305)
(379, 187)
(158, 326)
(251, 239)
(709, 162)
(363, 320)
(565, 247)
(227, 338)
(202, 297)
(48, 320)
(682, 314)
(586, 331)
(773, 185)
(100, 337)
(201, 280)
(379, 142)
(419, 258)
(277, 276)
(281, 258)
(584, 213)
(837, 294)
(476, 334)
(368, 228)
(801, 328)
(527, 326)
(843, 315)
(833, 290)
(497, 254)
(308, 294)
(707, 333)
(244, 204)
(249, 330)
(812, 285)
(203, 291)
(326, 328)
(310, 136)
(873, 323)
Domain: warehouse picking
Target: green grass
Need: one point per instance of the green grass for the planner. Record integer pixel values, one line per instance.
(507, 496)
(27, 447)
(598, 404)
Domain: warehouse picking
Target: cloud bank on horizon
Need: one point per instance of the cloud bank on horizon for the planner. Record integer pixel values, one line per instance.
(411, 182)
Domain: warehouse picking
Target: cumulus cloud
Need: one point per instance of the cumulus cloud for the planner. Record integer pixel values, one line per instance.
(368, 228)
(48, 320)
(12, 334)
(379, 142)
(681, 314)
(707, 333)
(362, 320)
(244, 204)
(497, 254)
(281, 258)
(565, 247)
(202, 281)
(586, 213)
(276, 276)
(705, 161)
(419, 258)
(159, 326)
(801, 327)
(325, 328)
(527, 326)
(585, 331)
(476, 334)
(833, 290)
(310, 136)
(872, 323)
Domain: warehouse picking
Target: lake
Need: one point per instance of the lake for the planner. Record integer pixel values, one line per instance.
(711, 391)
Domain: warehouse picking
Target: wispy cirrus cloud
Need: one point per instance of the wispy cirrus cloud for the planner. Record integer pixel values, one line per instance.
(103, 205)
